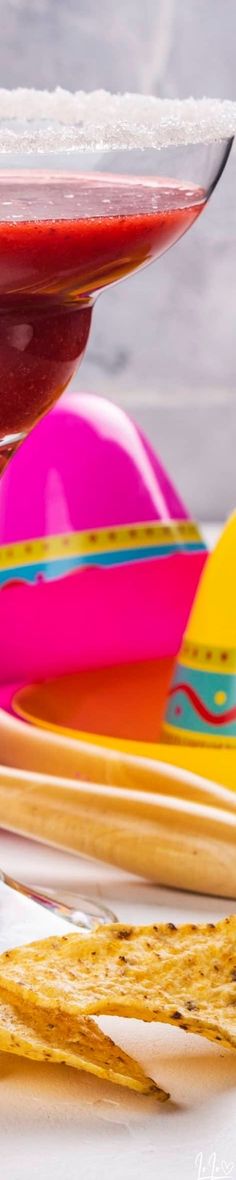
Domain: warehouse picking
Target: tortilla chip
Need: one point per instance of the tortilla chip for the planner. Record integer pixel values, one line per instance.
(184, 976)
(40, 1035)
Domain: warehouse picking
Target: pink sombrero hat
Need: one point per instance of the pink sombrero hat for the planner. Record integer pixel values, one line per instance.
(99, 561)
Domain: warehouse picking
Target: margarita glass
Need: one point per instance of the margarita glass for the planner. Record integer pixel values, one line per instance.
(92, 188)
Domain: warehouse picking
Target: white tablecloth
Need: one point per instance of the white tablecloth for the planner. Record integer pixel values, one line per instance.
(66, 1126)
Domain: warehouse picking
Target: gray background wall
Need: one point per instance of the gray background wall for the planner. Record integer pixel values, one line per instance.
(164, 343)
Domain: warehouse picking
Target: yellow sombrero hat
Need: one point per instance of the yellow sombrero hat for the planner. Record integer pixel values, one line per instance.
(202, 697)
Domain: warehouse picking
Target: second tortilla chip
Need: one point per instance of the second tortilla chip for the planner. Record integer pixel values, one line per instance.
(41, 1035)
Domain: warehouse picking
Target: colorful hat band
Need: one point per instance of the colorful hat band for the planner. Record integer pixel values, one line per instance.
(208, 658)
(46, 559)
(202, 705)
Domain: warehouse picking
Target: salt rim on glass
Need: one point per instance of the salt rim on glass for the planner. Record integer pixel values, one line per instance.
(44, 121)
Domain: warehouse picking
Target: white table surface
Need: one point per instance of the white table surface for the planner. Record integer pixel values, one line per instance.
(56, 1123)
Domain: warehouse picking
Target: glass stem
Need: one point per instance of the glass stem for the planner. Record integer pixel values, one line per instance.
(8, 446)
(86, 914)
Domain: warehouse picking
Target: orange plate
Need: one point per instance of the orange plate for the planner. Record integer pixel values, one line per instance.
(126, 701)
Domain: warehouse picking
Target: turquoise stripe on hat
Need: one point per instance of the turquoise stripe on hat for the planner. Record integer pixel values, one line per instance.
(199, 701)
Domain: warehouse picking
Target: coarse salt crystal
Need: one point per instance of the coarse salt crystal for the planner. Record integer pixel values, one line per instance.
(44, 121)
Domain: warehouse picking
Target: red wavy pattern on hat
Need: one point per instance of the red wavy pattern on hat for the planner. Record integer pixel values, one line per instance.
(200, 708)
